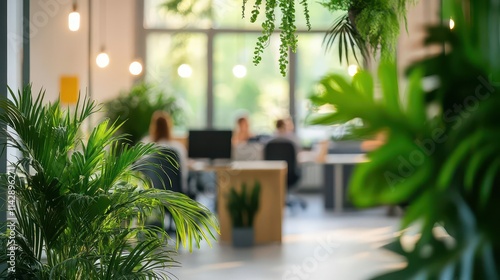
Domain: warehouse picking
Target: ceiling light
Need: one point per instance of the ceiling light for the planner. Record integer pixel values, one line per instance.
(184, 71)
(352, 70)
(102, 59)
(74, 19)
(135, 68)
(239, 71)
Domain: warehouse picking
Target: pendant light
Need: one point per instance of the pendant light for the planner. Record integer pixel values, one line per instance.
(135, 68)
(239, 70)
(352, 70)
(74, 18)
(102, 59)
(184, 70)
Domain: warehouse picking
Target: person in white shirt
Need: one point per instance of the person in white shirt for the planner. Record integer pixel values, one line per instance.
(241, 133)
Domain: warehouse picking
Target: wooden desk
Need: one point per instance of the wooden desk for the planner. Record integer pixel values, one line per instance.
(334, 180)
(272, 177)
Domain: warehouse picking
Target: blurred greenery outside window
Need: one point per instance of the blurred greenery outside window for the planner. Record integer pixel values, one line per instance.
(263, 94)
(166, 52)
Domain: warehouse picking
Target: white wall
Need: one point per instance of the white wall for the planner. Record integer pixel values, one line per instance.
(56, 51)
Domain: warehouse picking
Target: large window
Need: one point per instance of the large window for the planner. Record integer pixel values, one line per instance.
(172, 55)
(313, 62)
(217, 51)
(262, 92)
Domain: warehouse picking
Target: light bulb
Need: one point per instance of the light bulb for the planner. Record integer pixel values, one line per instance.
(102, 60)
(239, 71)
(74, 21)
(452, 23)
(185, 71)
(135, 68)
(352, 70)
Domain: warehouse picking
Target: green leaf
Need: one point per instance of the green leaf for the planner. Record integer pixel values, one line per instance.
(389, 82)
(457, 156)
(488, 181)
(416, 107)
(363, 82)
(478, 159)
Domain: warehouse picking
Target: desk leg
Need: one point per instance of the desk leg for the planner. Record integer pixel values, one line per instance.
(338, 187)
(328, 186)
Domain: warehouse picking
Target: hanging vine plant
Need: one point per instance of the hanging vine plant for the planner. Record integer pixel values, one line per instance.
(287, 27)
(369, 25)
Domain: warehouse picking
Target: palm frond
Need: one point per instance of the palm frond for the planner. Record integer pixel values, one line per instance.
(348, 40)
(81, 202)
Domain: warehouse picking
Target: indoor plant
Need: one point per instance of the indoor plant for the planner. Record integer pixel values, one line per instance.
(133, 109)
(366, 22)
(243, 207)
(441, 156)
(373, 23)
(79, 205)
(366, 27)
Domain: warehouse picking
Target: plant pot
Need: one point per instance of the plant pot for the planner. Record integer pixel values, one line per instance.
(243, 237)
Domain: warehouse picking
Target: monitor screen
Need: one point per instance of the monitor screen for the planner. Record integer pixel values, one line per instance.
(211, 144)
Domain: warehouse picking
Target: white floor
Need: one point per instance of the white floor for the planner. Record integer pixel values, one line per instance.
(316, 245)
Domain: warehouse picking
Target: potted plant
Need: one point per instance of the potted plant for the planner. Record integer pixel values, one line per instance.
(133, 109)
(243, 207)
(77, 207)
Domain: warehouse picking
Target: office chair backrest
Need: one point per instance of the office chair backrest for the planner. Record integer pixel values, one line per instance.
(164, 171)
(284, 149)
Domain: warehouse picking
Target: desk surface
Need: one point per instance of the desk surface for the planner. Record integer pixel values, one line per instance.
(259, 165)
(256, 165)
(345, 158)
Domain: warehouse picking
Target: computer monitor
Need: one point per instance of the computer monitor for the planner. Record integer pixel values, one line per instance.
(211, 144)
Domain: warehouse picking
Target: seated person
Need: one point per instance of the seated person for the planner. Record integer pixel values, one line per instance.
(285, 129)
(241, 133)
(160, 132)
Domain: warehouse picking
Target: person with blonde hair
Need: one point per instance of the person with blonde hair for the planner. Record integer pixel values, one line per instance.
(160, 132)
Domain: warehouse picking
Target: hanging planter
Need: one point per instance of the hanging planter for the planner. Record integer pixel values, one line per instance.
(368, 26)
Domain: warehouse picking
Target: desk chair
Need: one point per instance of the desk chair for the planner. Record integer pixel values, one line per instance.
(164, 173)
(284, 149)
